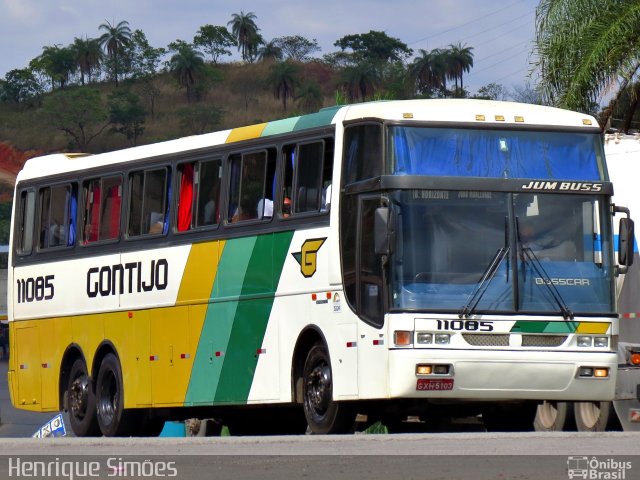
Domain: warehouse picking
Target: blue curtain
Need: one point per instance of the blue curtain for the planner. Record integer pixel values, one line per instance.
(493, 153)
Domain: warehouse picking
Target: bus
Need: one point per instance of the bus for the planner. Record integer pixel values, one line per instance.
(384, 259)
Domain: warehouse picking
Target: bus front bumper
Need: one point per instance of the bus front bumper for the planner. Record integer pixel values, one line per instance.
(502, 375)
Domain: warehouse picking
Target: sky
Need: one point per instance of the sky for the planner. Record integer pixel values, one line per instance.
(501, 33)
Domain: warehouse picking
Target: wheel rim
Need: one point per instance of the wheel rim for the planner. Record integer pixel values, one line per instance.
(319, 389)
(108, 399)
(548, 413)
(589, 413)
(79, 396)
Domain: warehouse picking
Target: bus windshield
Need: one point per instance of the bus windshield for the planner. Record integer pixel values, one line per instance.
(479, 252)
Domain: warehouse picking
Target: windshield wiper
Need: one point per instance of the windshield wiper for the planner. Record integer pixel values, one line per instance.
(483, 284)
(546, 280)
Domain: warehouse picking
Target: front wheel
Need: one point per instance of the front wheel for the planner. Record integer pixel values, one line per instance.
(113, 419)
(81, 401)
(323, 414)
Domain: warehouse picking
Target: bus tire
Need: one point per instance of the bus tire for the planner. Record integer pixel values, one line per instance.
(323, 414)
(595, 416)
(552, 416)
(81, 401)
(113, 419)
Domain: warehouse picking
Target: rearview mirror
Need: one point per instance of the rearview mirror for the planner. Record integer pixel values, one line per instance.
(382, 244)
(625, 242)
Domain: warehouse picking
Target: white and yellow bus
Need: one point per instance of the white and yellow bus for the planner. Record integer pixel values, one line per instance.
(386, 258)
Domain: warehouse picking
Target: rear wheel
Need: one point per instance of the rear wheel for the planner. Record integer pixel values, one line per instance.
(113, 419)
(323, 414)
(81, 401)
(554, 417)
(595, 416)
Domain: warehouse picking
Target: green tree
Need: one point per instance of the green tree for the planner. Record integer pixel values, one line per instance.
(187, 64)
(585, 48)
(309, 97)
(126, 115)
(376, 47)
(491, 91)
(214, 40)
(79, 113)
(145, 63)
(113, 41)
(270, 51)
(57, 63)
(297, 47)
(460, 61)
(283, 79)
(360, 81)
(429, 72)
(245, 31)
(20, 86)
(88, 56)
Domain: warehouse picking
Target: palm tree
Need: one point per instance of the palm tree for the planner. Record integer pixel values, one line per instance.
(429, 71)
(113, 40)
(88, 56)
(283, 78)
(461, 61)
(586, 49)
(270, 51)
(245, 31)
(310, 97)
(360, 81)
(186, 64)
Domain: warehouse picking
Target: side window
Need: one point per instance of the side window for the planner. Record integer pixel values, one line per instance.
(185, 197)
(362, 153)
(252, 184)
(102, 206)
(148, 194)
(308, 169)
(208, 200)
(58, 207)
(26, 217)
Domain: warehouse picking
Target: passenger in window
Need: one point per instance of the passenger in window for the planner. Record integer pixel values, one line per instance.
(286, 207)
(156, 222)
(210, 207)
(244, 211)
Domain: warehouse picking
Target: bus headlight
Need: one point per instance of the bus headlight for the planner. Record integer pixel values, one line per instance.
(442, 338)
(601, 342)
(424, 338)
(584, 341)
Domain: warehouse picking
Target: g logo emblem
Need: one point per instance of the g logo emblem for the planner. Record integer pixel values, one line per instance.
(307, 256)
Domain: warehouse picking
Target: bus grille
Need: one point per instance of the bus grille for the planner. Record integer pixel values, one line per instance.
(486, 339)
(543, 340)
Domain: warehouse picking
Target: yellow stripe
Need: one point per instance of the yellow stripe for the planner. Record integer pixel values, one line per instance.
(200, 272)
(593, 327)
(246, 133)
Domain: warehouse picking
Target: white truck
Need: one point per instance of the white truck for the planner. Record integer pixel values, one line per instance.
(623, 161)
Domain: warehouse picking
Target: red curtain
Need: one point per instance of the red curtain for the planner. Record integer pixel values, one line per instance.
(185, 202)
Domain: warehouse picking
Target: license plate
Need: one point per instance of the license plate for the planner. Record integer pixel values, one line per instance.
(434, 384)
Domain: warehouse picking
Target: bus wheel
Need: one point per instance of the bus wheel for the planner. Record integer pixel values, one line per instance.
(323, 414)
(595, 416)
(554, 417)
(81, 401)
(113, 420)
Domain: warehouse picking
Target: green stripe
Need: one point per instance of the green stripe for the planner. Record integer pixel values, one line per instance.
(323, 117)
(280, 126)
(532, 326)
(218, 322)
(249, 268)
(252, 316)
